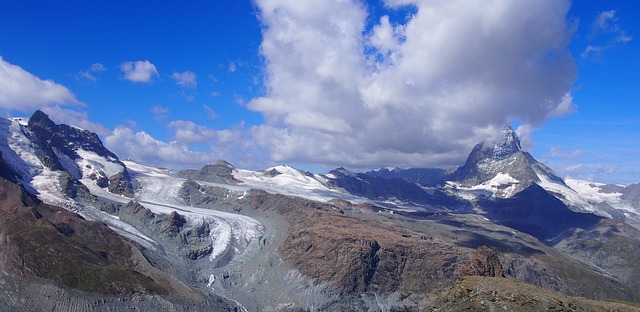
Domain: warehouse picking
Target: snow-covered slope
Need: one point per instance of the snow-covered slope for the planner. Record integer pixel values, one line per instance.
(45, 168)
(606, 196)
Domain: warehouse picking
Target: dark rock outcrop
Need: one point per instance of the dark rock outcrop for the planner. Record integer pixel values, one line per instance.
(120, 184)
(485, 262)
(174, 223)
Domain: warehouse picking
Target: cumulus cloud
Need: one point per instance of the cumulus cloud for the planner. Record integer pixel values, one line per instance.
(185, 79)
(22, 91)
(184, 150)
(190, 132)
(420, 93)
(142, 147)
(139, 71)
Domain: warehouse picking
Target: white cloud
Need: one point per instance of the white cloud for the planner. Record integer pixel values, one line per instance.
(456, 72)
(605, 22)
(89, 73)
(142, 147)
(211, 113)
(139, 71)
(185, 79)
(184, 149)
(189, 132)
(232, 67)
(24, 92)
(606, 30)
(525, 133)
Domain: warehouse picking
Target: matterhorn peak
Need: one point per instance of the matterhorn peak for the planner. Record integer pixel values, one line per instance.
(507, 145)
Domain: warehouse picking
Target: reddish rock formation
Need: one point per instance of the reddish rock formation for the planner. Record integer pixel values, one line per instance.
(485, 262)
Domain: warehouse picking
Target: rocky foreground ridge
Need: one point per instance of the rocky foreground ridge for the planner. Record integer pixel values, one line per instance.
(222, 238)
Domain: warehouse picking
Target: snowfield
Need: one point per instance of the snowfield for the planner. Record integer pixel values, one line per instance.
(591, 191)
(501, 186)
(568, 195)
(293, 182)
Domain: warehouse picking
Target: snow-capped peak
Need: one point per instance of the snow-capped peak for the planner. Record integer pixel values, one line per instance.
(508, 144)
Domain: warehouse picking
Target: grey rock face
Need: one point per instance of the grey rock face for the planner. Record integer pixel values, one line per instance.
(121, 184)
(219, 172)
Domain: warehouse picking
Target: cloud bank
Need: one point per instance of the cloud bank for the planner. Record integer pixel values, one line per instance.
(340, 91)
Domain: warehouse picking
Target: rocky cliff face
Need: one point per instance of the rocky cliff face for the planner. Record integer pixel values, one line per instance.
(485, 262)
(60, 146)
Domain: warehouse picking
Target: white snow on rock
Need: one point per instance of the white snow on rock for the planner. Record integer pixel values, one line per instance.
(568, 195)
(591, 191)
(500, 186)
(292, 182)
(159, 193)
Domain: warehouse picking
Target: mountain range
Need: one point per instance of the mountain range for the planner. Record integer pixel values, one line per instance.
(82, 230)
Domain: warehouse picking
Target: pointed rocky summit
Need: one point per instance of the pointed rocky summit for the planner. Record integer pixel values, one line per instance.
(505, 158)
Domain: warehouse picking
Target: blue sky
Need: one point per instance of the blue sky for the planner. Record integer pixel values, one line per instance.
(335, 83)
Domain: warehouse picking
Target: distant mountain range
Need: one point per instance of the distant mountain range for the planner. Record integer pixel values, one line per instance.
(91, 231)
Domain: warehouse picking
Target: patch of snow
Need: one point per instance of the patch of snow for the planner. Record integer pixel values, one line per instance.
(97, 163)
(501, 186)
(567, 195)
(212, 279)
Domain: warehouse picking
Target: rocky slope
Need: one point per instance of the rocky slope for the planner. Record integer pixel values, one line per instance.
(502, 294)
(49, 252)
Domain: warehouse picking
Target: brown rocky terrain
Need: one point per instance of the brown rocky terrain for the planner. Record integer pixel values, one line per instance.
(359, 255)
(475, 293)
